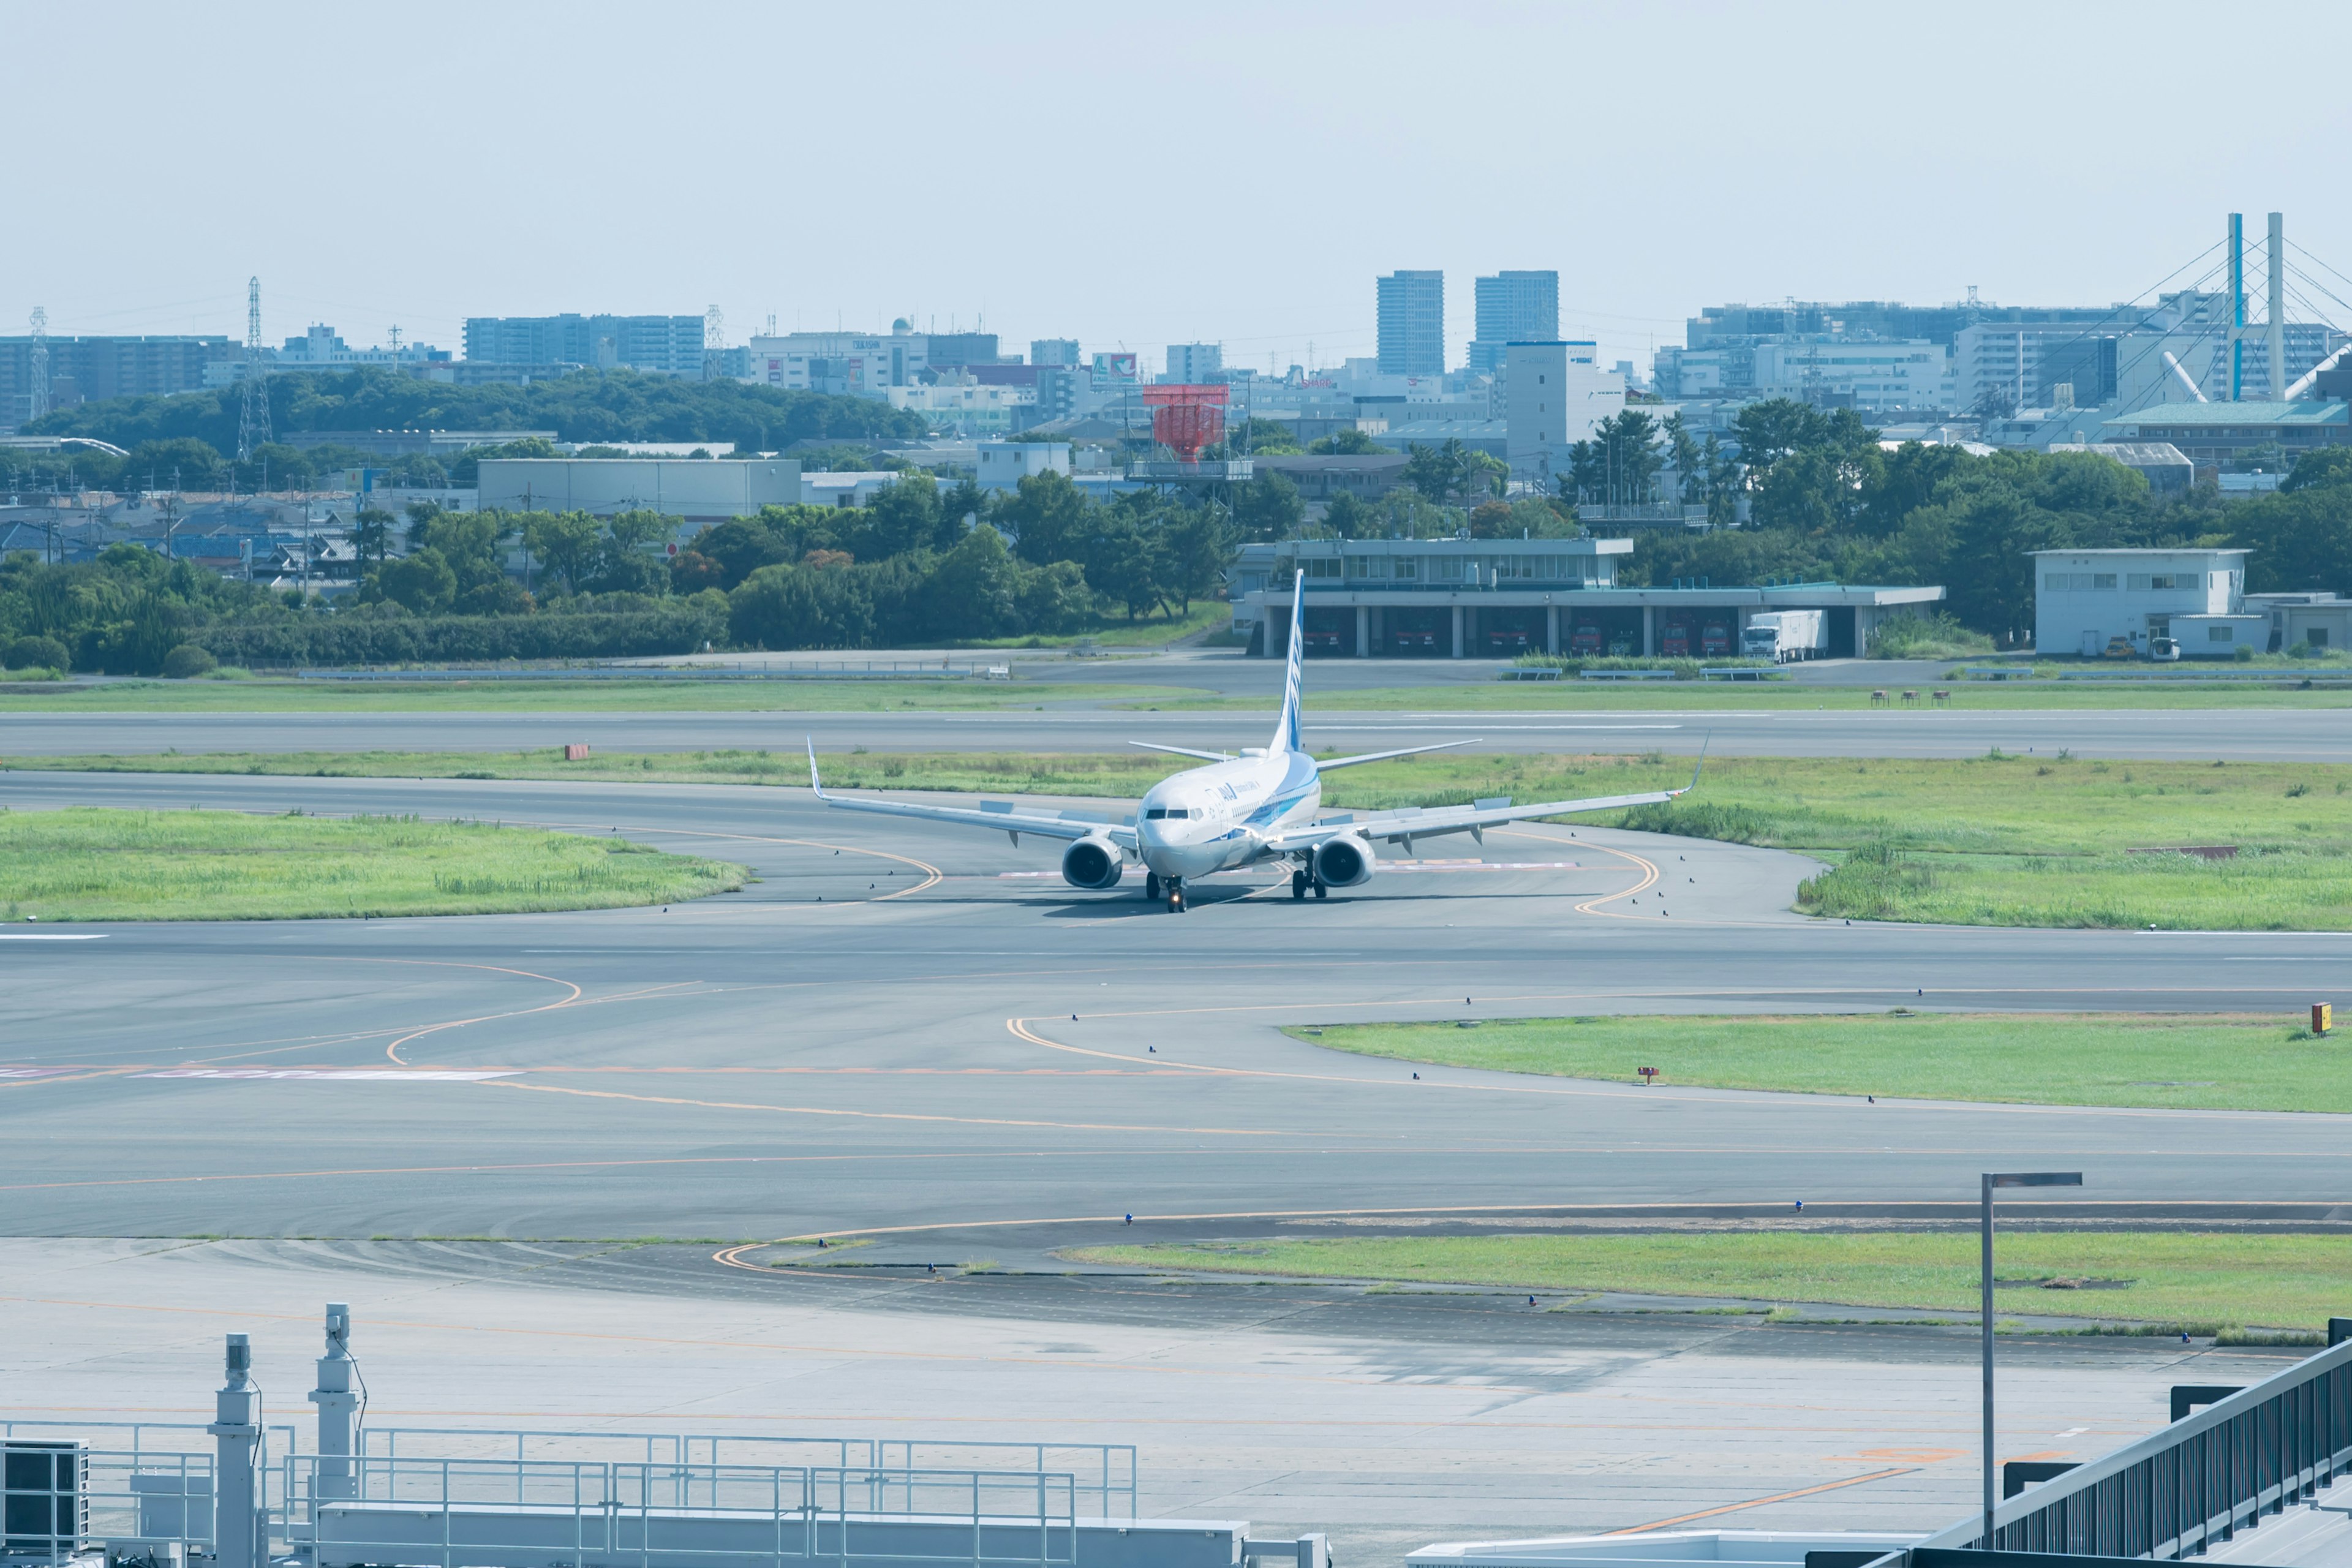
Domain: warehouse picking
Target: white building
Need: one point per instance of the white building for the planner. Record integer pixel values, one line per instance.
(2086, 598)
(1004, 464)
(859, 364)
(1190, 363)
(965, 410)
(323, 348)
(1554, 395)
(697, 490)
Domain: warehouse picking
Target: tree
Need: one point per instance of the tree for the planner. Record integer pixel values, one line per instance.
(628, 557)
(1627, 456)
(1268, 508)
(2326, 467)
(565, 543)
(1048, 518)
(420, 582)
(372, 536)
(1346, 517)
(1344, 442)
(971, 593)
(1199, 541)
(1436, 471)
(1684, 457)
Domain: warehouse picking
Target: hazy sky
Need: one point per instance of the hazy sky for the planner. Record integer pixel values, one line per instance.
(1134, 176)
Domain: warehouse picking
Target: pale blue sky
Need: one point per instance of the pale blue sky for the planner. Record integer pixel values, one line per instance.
(1133, 175)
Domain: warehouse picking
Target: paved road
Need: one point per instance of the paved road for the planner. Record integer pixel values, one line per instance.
(2239, 734)
(904, 1053)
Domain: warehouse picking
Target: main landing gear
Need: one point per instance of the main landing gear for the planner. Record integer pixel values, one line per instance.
(1151, 887)
(1300, 881)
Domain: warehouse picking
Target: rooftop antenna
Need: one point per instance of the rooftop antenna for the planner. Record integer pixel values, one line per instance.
(37, 398)
(771, 323)
(253, 420)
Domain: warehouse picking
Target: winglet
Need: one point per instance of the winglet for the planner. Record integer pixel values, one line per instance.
(814, 784)
(1699, 765)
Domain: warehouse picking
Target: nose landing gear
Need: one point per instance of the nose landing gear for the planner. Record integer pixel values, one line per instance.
(1175, 895)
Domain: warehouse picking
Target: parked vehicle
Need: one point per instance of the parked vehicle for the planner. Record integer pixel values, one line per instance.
(1714, 641)
(2120, 646)
(1416, 645)
(1506, 644)
(1786, 634)
(2164, 650)
(1324, 642)
(1585, 641)
(1674, 642)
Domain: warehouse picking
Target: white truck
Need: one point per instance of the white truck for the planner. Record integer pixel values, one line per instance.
(1784, 635)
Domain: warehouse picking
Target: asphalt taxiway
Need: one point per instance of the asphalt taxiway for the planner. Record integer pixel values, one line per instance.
(904, 1025)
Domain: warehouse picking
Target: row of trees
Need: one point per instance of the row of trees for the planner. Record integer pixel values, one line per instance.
(1826, 500)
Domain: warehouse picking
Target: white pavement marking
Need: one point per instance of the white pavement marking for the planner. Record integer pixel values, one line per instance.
(371, 1075)
(52, 936)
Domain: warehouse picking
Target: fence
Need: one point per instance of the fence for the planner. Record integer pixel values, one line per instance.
(1103, 1475)
(538, 1513)
(2196, 1483)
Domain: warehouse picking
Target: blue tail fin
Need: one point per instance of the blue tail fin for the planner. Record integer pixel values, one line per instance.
(1285, 729)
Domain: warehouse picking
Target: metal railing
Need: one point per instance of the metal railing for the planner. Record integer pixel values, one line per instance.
(1102, 1474)
(535, 1514)
(142, 1502)
(158, 1443)
(2194, 1484)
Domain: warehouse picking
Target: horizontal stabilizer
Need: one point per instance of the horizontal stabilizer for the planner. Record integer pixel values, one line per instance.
(1384, 756)
(1185, 751)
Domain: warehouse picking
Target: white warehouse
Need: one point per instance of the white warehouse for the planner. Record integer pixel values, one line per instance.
(2086, 598)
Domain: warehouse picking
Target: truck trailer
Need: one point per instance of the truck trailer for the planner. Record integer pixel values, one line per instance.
(1785, 635)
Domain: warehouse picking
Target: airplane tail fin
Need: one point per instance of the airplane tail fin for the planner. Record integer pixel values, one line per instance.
(1285, 729)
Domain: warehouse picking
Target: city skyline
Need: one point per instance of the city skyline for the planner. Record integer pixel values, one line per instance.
(465, 202)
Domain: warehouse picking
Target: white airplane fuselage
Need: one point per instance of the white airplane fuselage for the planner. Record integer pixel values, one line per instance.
(1214, 818)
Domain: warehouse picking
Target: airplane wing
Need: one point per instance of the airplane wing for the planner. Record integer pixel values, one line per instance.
(1002, 817)
(1326, 766)
(1184, 752)
(1405, 823)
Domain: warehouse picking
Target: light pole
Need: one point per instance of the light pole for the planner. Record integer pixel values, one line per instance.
(1990, 1180)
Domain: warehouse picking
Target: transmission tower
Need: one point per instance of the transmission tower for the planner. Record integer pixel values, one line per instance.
(714, 328)
(37, 396)
(252, 423)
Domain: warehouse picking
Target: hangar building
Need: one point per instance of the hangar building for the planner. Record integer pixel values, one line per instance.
(1497, 598)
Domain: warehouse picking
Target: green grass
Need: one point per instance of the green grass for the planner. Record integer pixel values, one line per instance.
(88, 864)
(491, 695)
(1685, 696)
(1993, 840)
(2236, 1062)
(2205, 1279)
(1107, 631)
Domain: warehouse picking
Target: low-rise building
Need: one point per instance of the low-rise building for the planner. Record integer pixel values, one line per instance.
(410, 443)
(693, 490)
(967, 410)
(2213, 433)
(1367, 477)
(1497, 598)
(2085, 599)
(2320, 623)
(1004, 464)
(2168, 471)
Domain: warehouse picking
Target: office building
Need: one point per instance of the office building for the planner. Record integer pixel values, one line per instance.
(694, 490)
(952, 351)
(1554, 395)
(83, 370)
(1513, 308)
(855, 364)
(663, 345)
(2209, 434)
(322, 347)
(1190, 363)
(2085, 599)
(1412, 321)
(1054, 351)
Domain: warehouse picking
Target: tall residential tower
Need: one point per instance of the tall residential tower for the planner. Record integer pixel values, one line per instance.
(1412, 323)
(1513, 308)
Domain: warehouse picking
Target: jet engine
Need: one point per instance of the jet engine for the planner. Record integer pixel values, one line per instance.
(1343, 862)
(1092, 863)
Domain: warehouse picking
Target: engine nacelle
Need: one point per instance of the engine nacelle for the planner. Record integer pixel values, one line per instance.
(1343, 862)
(1093, 864)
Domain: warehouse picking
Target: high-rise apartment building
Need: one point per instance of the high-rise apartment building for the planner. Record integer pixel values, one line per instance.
(667, 345)
(1513, 308)
(83, 370)
(1192, 363)
(1411, 311)
(1054, 351)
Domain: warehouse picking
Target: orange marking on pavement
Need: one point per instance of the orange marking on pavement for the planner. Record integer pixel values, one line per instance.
(890, 1115)
(1759, 1502)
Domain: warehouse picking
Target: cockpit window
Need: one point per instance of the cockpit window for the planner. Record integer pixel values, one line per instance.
(1178, 811)
(1155, 813)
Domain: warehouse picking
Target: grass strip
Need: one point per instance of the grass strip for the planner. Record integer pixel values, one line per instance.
(488, 694)
(2002, 839)
(91, 864)
(2189, 1280)
(2233, 1062)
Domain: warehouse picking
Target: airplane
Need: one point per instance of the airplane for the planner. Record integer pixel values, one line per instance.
(1241, 810)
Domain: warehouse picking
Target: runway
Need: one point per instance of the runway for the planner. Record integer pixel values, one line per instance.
(2249, 734)
(950, 1038)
